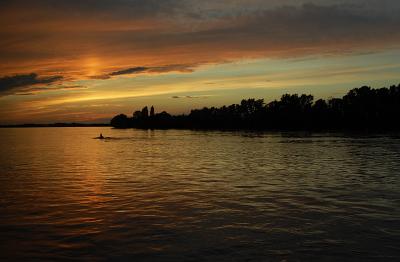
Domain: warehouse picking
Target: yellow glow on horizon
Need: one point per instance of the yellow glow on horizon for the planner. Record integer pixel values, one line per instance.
(276, 80)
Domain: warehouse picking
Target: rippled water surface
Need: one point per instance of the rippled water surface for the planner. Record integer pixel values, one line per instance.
(198, 196)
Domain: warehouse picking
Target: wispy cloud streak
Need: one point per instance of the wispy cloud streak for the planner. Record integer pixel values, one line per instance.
(176, 32)
(9, 84)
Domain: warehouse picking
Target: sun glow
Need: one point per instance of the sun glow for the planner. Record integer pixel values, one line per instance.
(92, 66)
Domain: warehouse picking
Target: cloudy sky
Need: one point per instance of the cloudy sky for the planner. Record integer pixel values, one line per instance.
(87, 60)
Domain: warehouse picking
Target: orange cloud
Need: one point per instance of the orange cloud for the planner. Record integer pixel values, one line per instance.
(45, 39)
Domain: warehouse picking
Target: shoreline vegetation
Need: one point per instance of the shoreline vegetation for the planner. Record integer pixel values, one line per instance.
(363, 108)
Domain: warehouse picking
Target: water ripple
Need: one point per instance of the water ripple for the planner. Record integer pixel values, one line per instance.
(198, 196)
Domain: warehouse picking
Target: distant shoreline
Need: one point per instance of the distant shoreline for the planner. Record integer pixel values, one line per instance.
(55, 125)
(363, 108)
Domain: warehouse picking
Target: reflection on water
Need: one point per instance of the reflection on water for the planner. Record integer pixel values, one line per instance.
(190, 195)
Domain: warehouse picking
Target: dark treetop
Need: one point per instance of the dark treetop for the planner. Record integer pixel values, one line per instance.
(360, 108)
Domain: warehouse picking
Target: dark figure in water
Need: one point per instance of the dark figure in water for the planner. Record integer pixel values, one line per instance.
(101, 136)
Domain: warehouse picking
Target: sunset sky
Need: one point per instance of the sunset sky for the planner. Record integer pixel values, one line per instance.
(88, 60)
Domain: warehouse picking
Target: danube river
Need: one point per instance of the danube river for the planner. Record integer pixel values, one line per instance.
(179, 195)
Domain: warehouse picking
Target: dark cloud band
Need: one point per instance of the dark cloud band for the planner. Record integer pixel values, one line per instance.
(12, 83)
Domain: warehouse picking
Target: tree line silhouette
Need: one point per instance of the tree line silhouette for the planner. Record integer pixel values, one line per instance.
(360, 108)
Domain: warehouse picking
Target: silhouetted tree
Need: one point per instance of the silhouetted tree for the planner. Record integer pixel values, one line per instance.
(320, 111)
(120, 121)
(152, 111)
(137, 114)
(362, 107)
(145, 112)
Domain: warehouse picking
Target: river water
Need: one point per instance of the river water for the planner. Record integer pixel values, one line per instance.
(180, 195)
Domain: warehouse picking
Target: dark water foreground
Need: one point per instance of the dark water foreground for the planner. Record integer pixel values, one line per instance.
(198, 196)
